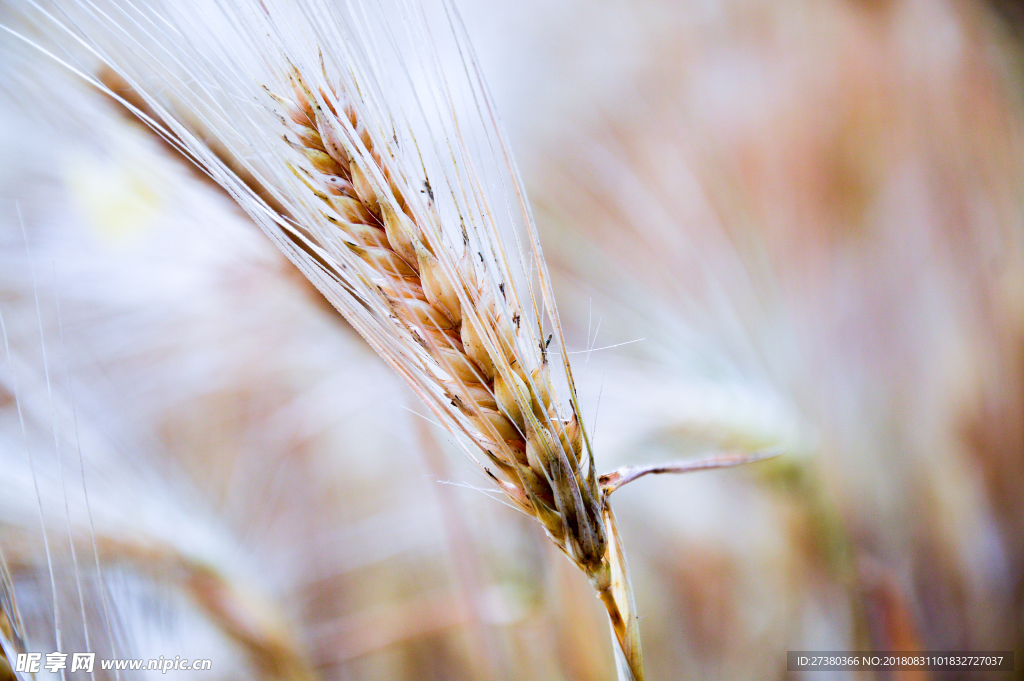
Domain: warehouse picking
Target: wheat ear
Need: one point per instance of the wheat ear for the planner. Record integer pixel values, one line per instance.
(469, 331)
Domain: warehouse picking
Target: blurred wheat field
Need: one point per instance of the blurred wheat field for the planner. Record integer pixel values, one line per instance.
(770, 224)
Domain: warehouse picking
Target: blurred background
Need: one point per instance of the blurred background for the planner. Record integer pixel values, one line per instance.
(786, 224)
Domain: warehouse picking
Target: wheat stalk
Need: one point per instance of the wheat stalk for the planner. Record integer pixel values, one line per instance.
(469, 332)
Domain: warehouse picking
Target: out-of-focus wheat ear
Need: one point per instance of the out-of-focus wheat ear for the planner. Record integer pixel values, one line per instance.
(247, 620)
(616, 592)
